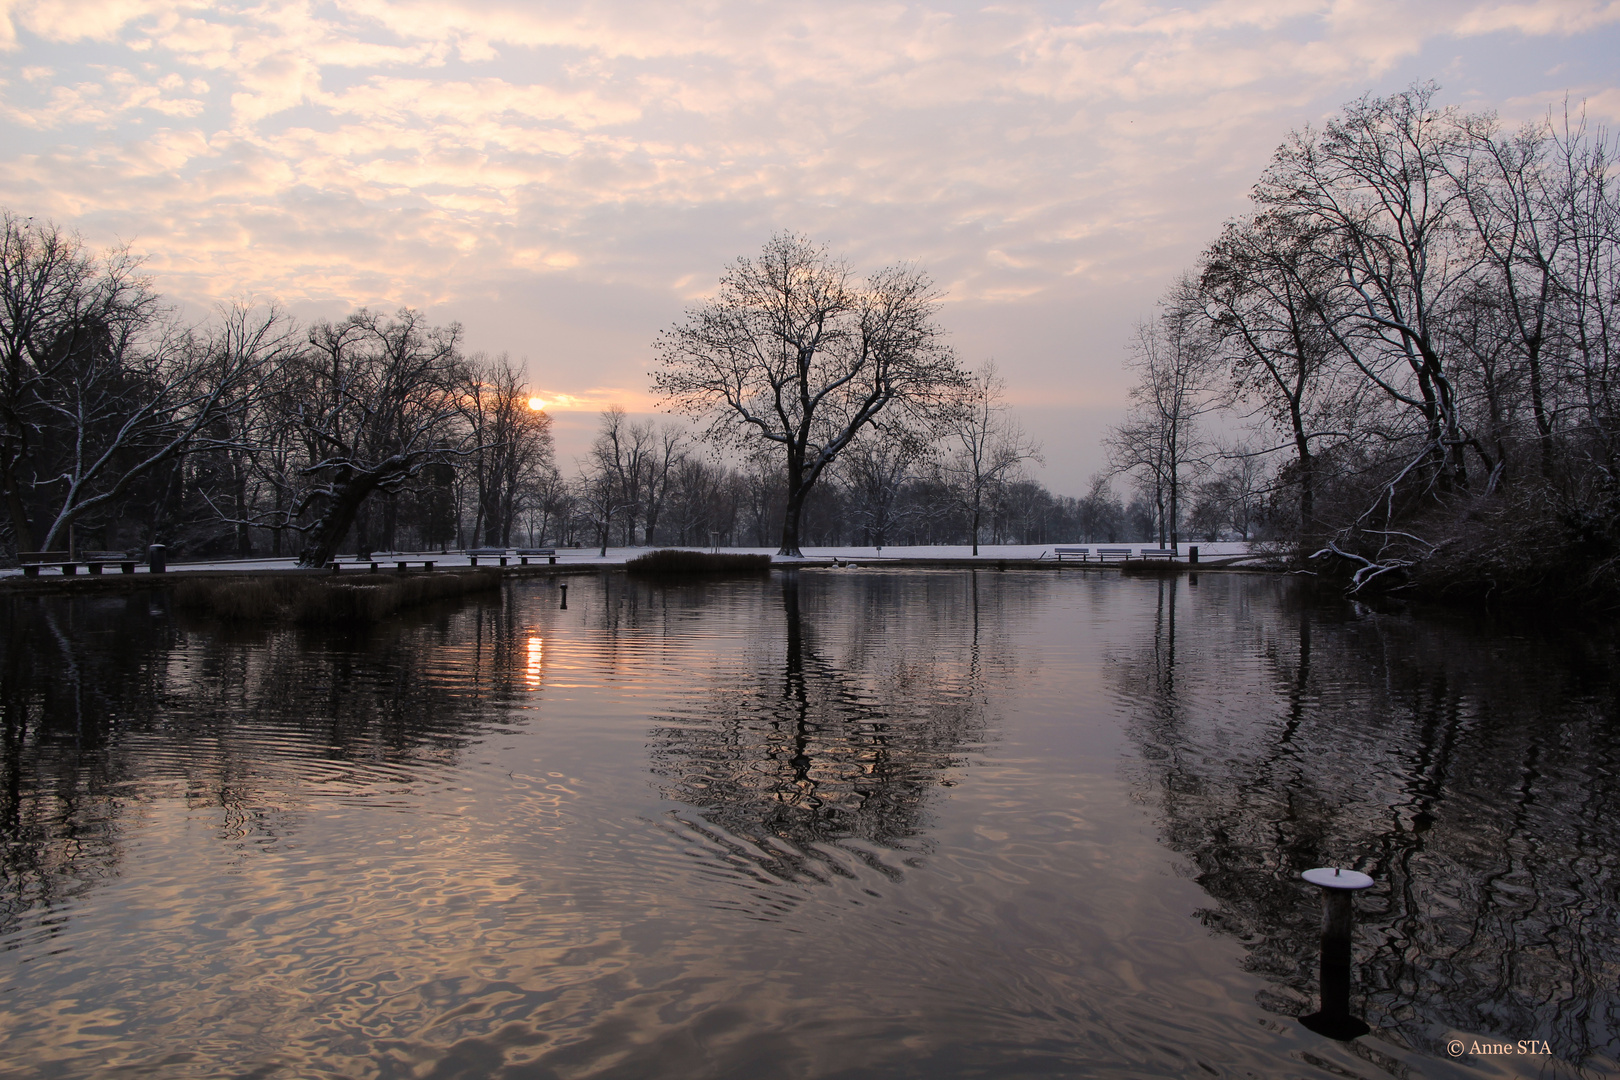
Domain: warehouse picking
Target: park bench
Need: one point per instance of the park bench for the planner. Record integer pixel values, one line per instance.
(1158, 553)
(1105, 554)
(404, 564)
(474, 554)
(31, 561)
(524, 554)
(94, 561)
(337, 565)
(1083, 554)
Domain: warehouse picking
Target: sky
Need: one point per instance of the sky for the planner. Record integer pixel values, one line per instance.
(564, 180)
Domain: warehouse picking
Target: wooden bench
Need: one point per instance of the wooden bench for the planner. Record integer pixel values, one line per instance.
(1105, 554)
(524, 555)
(1083, 554)
(474, 554)
(1158, 553)
(404, 564)
(337, 565)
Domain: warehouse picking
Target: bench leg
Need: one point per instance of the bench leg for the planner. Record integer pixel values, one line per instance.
(552, 560)
(127, 567)
(31, 570)
(69, 569)
(503, 560)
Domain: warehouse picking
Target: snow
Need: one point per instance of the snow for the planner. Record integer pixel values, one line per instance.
(617, 556)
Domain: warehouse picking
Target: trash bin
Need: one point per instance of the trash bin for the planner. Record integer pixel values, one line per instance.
(1192, 554)
(157, 559)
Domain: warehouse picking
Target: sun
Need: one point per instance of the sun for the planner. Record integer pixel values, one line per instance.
(537, 404)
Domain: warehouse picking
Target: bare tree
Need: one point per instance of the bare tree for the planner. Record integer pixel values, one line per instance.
(1160, 441)
(985, 447)
(511, 444)
(876, 470)
(611, 475)
(1376, 191)
(374, 401)
(1263, 291)
(69, 326)
(794, 354)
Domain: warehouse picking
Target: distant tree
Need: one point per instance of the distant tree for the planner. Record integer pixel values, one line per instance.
(792, 354)
(874, 473)
(511, 444)
(985, 447)
(1101, 514)
(1159, 441)
(611, 473)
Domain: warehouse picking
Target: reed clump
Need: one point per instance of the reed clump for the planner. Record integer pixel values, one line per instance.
(314, 601)
(672, 563)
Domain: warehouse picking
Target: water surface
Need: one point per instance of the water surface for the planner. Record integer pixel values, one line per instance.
(860, 823)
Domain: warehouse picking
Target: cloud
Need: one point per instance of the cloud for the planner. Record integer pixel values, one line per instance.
(1546, 17)
(444, 152)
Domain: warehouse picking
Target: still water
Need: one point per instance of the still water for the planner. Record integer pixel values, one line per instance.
(830, 824)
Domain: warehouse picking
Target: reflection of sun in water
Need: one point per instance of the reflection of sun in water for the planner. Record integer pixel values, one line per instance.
(531, 673)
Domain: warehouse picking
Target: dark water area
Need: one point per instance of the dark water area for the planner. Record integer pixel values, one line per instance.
(830, 824)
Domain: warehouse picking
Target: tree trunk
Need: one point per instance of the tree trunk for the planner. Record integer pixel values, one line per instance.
(790, 521)
(335, 522)
(21, 532)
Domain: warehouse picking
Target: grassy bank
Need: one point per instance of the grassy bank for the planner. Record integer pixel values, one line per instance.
(322, 601)
(668, 563)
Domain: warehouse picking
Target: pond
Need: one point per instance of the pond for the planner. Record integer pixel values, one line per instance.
(830, 823)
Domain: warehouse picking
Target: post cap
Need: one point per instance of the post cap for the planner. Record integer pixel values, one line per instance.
(1333, 877)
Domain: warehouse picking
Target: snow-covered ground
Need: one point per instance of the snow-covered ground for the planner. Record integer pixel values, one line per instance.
(617, 556)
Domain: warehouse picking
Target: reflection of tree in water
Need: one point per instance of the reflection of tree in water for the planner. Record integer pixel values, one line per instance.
(107, 704)
(839, 726)
(1476, 777)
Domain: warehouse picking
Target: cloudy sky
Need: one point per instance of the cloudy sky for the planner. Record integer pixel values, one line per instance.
(564, 178)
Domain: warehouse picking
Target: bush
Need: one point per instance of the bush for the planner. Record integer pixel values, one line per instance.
(670, 562)
(321, 601)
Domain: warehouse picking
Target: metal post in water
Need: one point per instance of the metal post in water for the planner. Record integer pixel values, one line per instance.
(1339, 888)
(565, 597)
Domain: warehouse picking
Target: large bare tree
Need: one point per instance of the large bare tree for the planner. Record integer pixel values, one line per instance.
(794, 354)
(375, 401)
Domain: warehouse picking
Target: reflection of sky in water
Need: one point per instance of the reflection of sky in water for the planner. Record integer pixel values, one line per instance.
(929, 824)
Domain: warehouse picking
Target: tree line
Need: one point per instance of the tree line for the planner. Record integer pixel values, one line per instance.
(1401, 361)
(250, 435)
